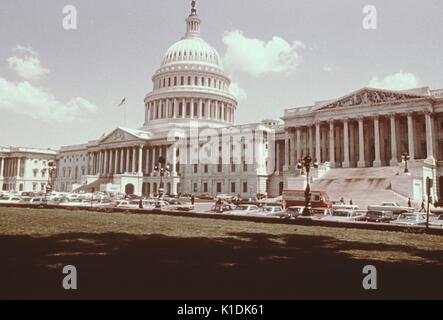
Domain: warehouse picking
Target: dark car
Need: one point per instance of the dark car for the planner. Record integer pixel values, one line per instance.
(378, 216)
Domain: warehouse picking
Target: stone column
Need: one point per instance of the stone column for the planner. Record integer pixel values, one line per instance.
(100, 164)
(200, 108)
(154, 160)
(183, 107)
(346, 163)
(147, 160)
(116, 161)
(298, 148)
(311, 141)
(286, 168)
(377, 161)
(175, 108)
(134, 155)
(394, 158)
(361, 144)
(411, 144)
(18, 167)
(2, 167)
(331, 144)
(208, 109)
(120, 162)
(292, 154)
(192, 115)
(174, 160)
(128, 150)
(317, 142)
(429, 136)
(140, 160)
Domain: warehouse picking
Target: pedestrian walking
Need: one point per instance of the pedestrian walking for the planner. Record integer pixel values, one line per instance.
(423, 207)
(192, 199)
(409, 203)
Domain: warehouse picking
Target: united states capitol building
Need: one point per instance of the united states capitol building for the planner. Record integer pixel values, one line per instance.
(358, 139)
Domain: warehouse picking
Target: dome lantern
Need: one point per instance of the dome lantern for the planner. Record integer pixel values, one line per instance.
(193, 23)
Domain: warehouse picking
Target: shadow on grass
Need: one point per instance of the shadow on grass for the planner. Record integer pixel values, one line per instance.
(243, 266)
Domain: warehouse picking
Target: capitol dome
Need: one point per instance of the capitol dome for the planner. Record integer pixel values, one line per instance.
(190, 84)
(192, 49)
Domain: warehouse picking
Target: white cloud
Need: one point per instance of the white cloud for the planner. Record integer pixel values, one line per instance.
(398, 81)
(237, 92)
(257, 57)
(25, 99)
(27, 64)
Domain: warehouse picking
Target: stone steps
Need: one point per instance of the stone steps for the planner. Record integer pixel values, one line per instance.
(365, 186)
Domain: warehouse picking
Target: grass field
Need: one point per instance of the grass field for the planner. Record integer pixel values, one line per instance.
(161, 257)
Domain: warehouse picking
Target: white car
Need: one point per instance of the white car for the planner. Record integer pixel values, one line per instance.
(437, 222)
(410, 219)
(9, 199)
(175, 204)
(343, 215)
(128, 204)
(391, 206)
(33, 201)
(272, 211)
(75, 203)
(224, 197)
(340, 206)
(245, 209)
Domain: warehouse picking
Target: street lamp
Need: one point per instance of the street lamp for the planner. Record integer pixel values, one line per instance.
(161, 168)
(52, 168)
(405, 157)
(306, 163)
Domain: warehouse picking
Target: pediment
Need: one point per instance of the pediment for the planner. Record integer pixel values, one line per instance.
(121, 135)
(368, 96)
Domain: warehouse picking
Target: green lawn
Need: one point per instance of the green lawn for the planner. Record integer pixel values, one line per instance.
(152, 256)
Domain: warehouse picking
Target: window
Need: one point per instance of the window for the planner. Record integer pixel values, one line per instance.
(42, 187)
(232, 187)
(206, 168)
(189, 81)
(175, 81)
(219, 187)
(34, 187)
(205, 187)
(182, 81)
(188, 109)
(195, 168)
(245, 187)
(195, 187)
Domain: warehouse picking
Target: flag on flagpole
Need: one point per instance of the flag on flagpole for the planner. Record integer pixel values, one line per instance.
(122, 103)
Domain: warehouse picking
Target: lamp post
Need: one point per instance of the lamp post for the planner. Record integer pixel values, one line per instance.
(161, 168)
(52, 168)
(306, 163)
(405, 157)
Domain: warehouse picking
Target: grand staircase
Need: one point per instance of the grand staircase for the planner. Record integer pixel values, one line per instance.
(365, 186)
(94, 185)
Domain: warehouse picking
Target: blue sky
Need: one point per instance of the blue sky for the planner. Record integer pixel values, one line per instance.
(60, 87)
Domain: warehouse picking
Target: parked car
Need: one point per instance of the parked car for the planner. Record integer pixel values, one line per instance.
(291, 213)
(9, 199)
(222, 208)
(128, 204)
(243, 209)
(33, 201)
(378, 216)
(342, 206)
(75, 203)
(224, 197)
(343, 215)
(437, 222)
(394, 207)
(175, 204)
(410, 219)
(272, 211)
(322, 211)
